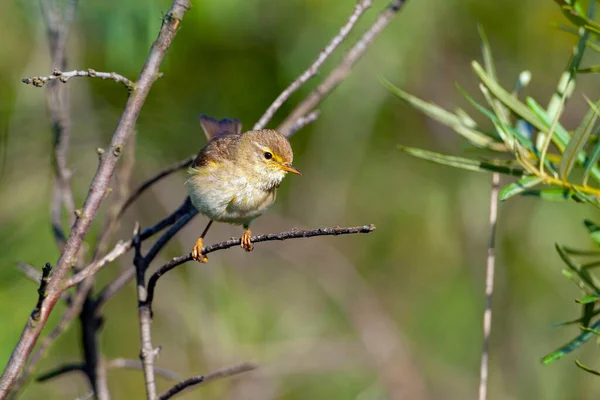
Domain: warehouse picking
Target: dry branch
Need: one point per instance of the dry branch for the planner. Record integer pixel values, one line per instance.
(202, 379)
(123, 363)
(98, 188)
(292, 234)
(359, 10)
(40, 81)
(339, 73)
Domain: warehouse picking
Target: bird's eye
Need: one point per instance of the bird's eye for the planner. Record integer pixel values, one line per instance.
(268, 155)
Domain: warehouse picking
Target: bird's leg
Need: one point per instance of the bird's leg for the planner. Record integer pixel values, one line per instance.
(197, 250)
(246, 243)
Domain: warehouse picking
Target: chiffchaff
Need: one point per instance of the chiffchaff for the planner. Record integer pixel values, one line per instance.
(235, 175)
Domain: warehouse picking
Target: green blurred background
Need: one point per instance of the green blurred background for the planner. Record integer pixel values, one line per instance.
(394, 314)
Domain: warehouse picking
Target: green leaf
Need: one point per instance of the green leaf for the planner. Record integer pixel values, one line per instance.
(447, 118)
(571, 345)
(552, 194)
(594, 230)
(578, 140)
(461, 162)
(591, 161)
(507, 99)
(586, 369)
(576, 268)
(587, 313)
(590, 298)
(488, 62)
(504, 131)
(519, 187)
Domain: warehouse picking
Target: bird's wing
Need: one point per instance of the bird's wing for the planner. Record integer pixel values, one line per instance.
(214, 127)
(220, 147)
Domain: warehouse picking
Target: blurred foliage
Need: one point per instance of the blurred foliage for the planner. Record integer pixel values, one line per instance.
(314, 313)
(525, 131)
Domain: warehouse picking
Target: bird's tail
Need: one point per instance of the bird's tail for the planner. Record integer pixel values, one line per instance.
(213, 127)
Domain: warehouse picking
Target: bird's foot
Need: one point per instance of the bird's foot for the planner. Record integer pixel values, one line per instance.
(246, 243)
(197, 251)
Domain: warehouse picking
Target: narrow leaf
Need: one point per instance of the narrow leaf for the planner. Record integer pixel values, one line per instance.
(593, 159)
(594, 230)
(507, 99)
(519, 187)
(576, 268)
(586, 369)
(461, 162)
(553, 194)
(447, 118)
(571, 345)
(590, 298)
(488, 62)
(578, 141)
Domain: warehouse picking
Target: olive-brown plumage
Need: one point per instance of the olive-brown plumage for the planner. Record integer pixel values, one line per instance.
(235, 176)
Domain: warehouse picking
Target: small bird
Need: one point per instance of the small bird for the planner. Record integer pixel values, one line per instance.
(235, 176)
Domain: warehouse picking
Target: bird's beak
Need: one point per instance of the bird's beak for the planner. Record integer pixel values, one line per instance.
(290, 168)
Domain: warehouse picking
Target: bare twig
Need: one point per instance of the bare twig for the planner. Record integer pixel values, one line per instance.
(98, 187)
(147, 352)
(35, 315)
(303, 121)
(338, 74)
(162, 174)
(30, 271)
(40, 81)
(359, 10)
(292, 234)
(123, 363)
(62, 370)
(489, 287)
(202, 379)
(180, 218)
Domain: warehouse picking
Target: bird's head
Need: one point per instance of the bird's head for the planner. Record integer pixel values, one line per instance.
(268, 154)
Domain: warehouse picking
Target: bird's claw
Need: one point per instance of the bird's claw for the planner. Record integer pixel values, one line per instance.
(197, 252)
(246, 243)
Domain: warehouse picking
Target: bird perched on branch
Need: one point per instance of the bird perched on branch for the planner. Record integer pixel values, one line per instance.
(235, 176)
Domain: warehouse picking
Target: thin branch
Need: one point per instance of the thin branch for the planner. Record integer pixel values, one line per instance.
(35, 315)
(123, 363)
(489, 287)
(62, 370)
(185, 211)
(202, 379)
(292, 234)
(359, 10)
(98, 188)
(29, 271)
(338, 74)
(162, 174)
(40, 81)
(147, 352)
(303, 121)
